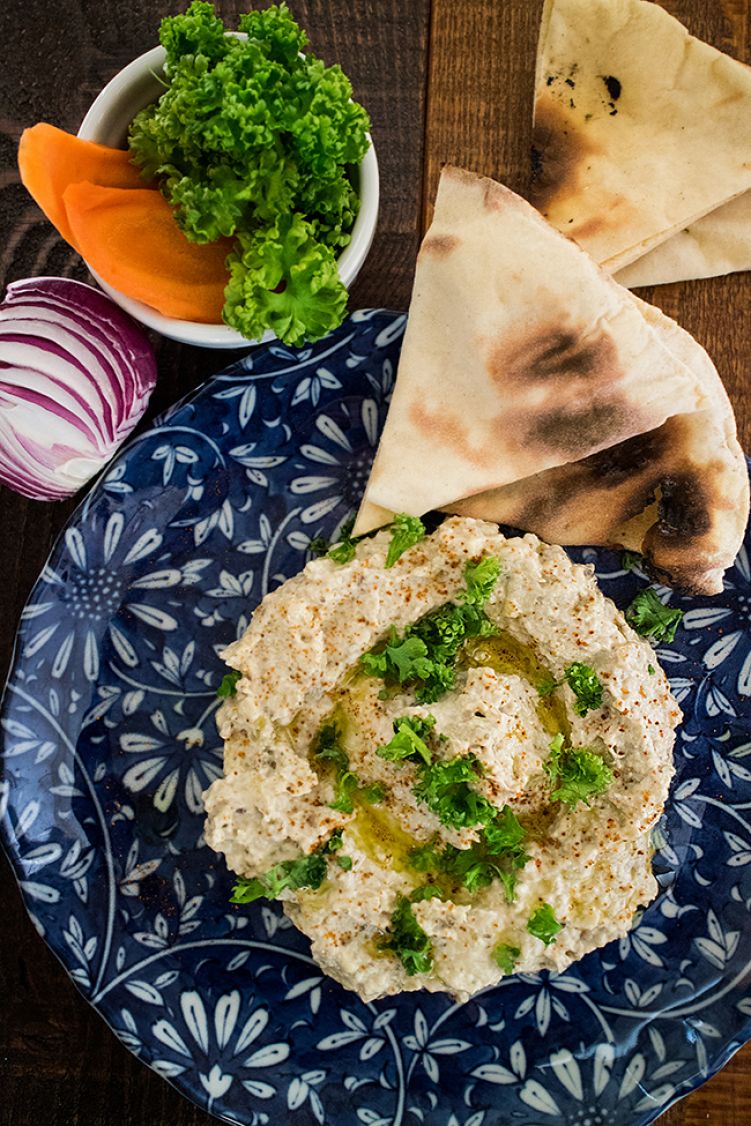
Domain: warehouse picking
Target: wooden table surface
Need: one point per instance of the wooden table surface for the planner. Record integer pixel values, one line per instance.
(443, 80)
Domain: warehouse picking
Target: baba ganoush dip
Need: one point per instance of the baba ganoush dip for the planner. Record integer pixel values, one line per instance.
(446, 768)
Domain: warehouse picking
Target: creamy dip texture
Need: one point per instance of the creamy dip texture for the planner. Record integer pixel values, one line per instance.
(588, 865)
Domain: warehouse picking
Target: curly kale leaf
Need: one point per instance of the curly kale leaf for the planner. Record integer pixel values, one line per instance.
(283, 279)
(255, 138)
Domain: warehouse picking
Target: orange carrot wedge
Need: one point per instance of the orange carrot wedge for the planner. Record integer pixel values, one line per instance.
(49, 160)
(130, 238)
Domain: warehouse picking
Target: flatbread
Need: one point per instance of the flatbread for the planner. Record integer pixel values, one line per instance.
(718, 243)
(640, 128)
(679, 494)
(519, 355)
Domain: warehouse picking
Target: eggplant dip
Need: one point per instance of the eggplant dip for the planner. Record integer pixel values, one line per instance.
(443, 755)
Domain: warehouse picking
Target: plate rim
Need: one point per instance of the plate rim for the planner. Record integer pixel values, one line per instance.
(55, 943)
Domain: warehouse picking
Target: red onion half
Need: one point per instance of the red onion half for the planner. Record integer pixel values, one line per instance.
(76, 374)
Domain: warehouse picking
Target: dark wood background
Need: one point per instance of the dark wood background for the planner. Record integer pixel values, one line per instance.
(443, 80)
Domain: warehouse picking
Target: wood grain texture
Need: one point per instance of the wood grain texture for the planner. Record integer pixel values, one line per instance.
(59, 1064)
(443, 80)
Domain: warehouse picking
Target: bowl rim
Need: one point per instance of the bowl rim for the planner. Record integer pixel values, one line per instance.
(198, 333)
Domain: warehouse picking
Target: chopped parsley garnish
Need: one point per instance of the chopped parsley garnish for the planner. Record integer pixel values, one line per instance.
(497, 855)
(228, 687)
(583, 682)
(631, 559)
(304, 872)
(328, 747)
(335, 842)
(424, 658)
(343, 551)
(425, 891)
(543, 924)
(481, 579)
(506, 956)
(408, 940)
(577, 773)
(406, 532)
(319, 546)
(651, 618)
(409, 741)
(344, 862)
(373, 792)
(651, 670)
(586, 686)
(445, 788)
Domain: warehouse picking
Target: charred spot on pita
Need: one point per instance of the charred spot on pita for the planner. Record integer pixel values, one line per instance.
(558, 150)
(574, 430)
(439, 245)
(613, 87)
(684, 507)
(558, 352)
(628, 459)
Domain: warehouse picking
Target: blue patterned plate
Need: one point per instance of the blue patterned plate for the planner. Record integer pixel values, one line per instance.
(110, 739)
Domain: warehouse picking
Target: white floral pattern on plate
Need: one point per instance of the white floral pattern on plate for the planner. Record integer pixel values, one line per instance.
(109, 740)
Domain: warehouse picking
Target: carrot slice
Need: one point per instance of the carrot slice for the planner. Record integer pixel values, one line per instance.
(50, 159)
(130, 238)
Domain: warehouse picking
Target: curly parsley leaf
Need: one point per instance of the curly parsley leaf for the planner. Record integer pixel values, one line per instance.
(343, 550)
(305, 872)
(577, 773)
(651, 618)
(543, 924)
(506, 956)
(282, 278)
(373, 792)
(400, 660)
(319, 546)
(228, 687)
(328, 748)
(344, 862)
(505, 832)
(406, 532)
(586, 686)
(408, 940)
(254, 138)
(445, 788)
(583, 682)
(409, 741)
(425, 891)
(631, 559)
(497, 855)
(480, 579)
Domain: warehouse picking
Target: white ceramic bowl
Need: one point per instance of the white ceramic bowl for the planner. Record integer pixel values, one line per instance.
(136, 86)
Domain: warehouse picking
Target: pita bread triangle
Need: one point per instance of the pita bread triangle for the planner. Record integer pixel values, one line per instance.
(640, 129)
(519, 355)
(718, 243)
(679, 494)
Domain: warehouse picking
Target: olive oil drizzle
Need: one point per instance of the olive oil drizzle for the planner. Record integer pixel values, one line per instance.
(375, 831)
(506, 655)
